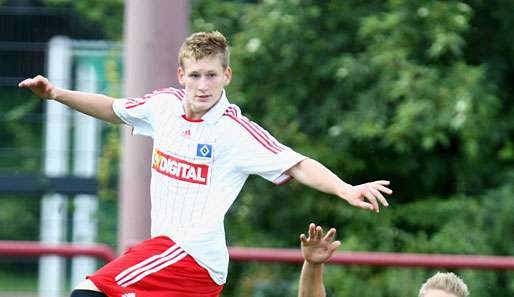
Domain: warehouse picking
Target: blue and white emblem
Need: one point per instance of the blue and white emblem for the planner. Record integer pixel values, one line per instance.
(204, 150)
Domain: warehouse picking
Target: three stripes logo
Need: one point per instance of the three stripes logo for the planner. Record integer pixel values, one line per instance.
(151, 265)
(128, 295)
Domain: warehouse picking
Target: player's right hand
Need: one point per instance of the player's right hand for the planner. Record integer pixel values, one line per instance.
(40, 86)
(317, 248)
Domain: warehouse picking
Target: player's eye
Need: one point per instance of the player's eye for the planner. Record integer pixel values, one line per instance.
(211, 75)
(194, 75)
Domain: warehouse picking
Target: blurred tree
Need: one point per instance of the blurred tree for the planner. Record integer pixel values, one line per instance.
(383, 89)
(107, 13)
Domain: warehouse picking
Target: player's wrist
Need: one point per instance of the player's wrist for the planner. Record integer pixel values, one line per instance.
(344, 189)
(314, 264)
(55, 94)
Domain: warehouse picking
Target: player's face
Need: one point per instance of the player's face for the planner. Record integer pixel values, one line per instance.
(204, 81)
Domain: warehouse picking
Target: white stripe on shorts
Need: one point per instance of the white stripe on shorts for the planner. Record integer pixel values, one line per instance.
(167, 256)
(162, 266)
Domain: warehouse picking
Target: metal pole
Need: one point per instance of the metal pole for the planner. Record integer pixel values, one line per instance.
(84, 165)
(54, 206)
(151, 63)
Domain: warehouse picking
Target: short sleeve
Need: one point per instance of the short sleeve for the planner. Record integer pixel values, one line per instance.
(140, 112)
(136, 113)
(258, 152)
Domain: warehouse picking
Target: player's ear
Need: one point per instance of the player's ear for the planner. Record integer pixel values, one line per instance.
(180, 75)
(227, 73)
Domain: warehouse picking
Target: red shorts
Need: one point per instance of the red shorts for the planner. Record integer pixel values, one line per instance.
(155, 268)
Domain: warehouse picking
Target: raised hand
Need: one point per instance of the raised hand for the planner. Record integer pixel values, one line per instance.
(40, 86)
(318, 248)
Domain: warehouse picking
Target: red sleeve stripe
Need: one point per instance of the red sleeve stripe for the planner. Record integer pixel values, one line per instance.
(230, 112)
(265, 133)
(177, 94)
(256, 136)
(134, 102)
(255, 131)
(131, 103)
(172, 91)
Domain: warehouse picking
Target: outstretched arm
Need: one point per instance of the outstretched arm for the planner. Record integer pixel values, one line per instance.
(96, 105)
(316, 249)
(313, 174)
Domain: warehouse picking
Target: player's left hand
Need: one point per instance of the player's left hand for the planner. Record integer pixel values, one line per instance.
(372, 192)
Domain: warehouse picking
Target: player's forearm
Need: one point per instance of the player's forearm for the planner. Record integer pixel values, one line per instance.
(95, 105)
(311, 281)
(315, 175)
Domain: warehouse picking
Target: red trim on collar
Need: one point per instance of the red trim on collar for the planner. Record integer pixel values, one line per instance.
(191, 120)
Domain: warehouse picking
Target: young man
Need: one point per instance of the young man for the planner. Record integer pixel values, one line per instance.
(318, 248)
(204, 149)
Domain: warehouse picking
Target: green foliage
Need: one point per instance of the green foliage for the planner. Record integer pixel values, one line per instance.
(19, 219)
(107, 13)
(20, 133)
(383, 89)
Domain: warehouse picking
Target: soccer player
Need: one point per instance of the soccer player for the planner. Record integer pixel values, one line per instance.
(317, 249)
(203, 151)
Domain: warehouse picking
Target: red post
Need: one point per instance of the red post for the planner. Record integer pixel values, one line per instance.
(378, 259)
(291, 256)
(34, 248)
(154, 31)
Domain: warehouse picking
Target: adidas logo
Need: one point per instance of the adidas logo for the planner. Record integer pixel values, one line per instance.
(186, 133)
(129, 295)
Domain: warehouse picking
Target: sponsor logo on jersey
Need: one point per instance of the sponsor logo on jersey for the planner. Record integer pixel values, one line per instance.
(179, 169)
(204, 150)
(128, 295)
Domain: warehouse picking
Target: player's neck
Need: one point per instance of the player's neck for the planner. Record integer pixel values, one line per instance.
(193, 116)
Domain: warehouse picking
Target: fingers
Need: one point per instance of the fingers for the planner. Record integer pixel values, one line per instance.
(381, 186)
(24, 83)
(30, 82)
(373, 192)
(303, 239)
(380, 197)
(333, 246)
(372, 199)
(312, 230)
(382, 182)
(319, 233)
(330, 235)
(316, 234)
(362, 204)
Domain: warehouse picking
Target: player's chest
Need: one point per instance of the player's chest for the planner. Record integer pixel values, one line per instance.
(185, 151)
(188, 140)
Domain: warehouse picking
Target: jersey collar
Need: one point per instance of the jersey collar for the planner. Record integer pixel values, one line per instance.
(217, 111)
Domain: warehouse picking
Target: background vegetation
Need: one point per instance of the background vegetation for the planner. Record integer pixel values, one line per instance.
(418, 92)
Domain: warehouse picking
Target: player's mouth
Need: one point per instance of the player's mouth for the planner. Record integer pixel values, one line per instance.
(203, 97)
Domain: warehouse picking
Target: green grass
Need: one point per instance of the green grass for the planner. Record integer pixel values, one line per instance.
(20, 281)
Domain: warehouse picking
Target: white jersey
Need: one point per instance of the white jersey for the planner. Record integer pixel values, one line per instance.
(199, 168)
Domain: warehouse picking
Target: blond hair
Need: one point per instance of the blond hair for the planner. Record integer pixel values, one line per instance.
(205, 44)
(446, 282)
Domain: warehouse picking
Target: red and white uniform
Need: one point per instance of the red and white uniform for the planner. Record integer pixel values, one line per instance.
(199, 168)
